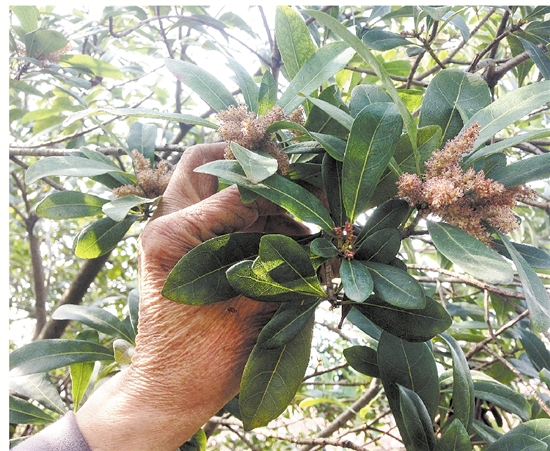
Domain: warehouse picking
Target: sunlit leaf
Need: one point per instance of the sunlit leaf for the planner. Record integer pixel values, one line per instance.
(23, 412)
(267, 94)
(70, 204)
(40, 388)
(382, 40)
(356, 280)
(40, 43)
(256, 165)
(93, 66)
(523, 171)
(101, 237)
(248, 87)
(143, 137)
(119, 208)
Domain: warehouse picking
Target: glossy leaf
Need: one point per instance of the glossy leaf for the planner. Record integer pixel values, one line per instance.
(293, 39)
(509, 108)
(101, 237)
(70, 204)
(267, 94)
(303, 205)
(452, 91)
(272, 377)
(382, 246)
(323, 248)
(473, 256)
(23, 412)
(46, 355)
(396, 286)
(539, 57)
(454, 438)
(362, 359)
(417, 421)
(391, 213)
(463, 384)
(536, 296)
(331, 171)
(414, 325)
(199, 277)
(95, 317)
(248, 87)
(40, 388)
(143, 137)
(112, 179)
(536, 350)
(322, 65)
(67, 166)
(529, 436)
(256, 165)
(523, 171)
(334, 146)
(320, 122)
(356, 280)
(290, 318)
(503, 397)
(373, 138)
(382, 40)
(81, 374)
(119, 208)
(200, 81)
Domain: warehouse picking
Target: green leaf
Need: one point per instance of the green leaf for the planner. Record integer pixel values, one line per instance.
(503, 397)
(119, 208)
(382, 246)
(256, 165)
(40, 388)
(208, 87)
(271, 379)
(473, 256)
(452, 90)
(322, 65)
(67, 166)
(463, 384)
(331, 171)
(140, 112)
(371, 144)
(93, 66)
(195, 443)
(46, 355)
(323, 248)
(417, 421)
(356, 280)
(539, 57)
(40, 43)
(192, 280)
(23, 412)
(142, 137)
(249, 89)
(382, 40)
(293, 39)
(412, 366)
(523, 171)
(536, 296)
(396, 286)
(112, 179)
(101, 237)
(290, 318)
(267, 95)
(536, 350)
(334, 146)
(509, 108)
(303, 205)
(96, 318)
(81, 374)
(391, 213)
(454, 438)
(334, 113)
(524, 434)
(70, 204)
(363, 95)
(362, 359)
(27, 16)
(414, 325)
(320, 122)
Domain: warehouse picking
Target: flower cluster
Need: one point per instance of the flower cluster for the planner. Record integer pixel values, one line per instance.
(465, 199)
(151, 182)
(250, 130)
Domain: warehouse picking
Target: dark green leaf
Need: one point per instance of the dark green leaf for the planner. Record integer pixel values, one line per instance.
(415, 325)
(382, 40)
(332, 182)
(256, 165)
(364, 95)
(249, 89)
(536, 350)
(271, 379)
(535, 429)
(356, 280)
(70, 204)
(536, 296)
(473, 256)
(362, 359)
(293, 198)
(334, 146)
(391, 213)
(39, 43)
(455, 438)
(101, 237)
(320, 122)
(293, 39)
(463, 385)
(23, 412)
(119, 208)
(396, 286)
(208, 87)
(40, 388)
(322, 65)
(323, 248)
(382, 246)
(112, 179)
(449, 91)
(363, 323)
(96, 318)
(199, 277)
(523, 171)
(373, 138)
(46, 355)
(133, 309)
(267, 95)
(195, 443)
(334, 112)
(539, 57)
(417, 421)
(290, 318)
(143, 137)
(503, 397)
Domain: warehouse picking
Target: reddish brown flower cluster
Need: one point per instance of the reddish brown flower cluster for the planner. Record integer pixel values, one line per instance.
(250, 131)
(465, 199)
(346, 237)
(150, 182)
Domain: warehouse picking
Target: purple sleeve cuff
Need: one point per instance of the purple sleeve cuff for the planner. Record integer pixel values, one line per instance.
(63, 435)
